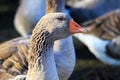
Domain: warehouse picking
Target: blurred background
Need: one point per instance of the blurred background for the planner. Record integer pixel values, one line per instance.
(7, 12)
(87, 66)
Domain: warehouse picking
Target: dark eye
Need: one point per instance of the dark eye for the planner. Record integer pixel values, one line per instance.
(61, 18)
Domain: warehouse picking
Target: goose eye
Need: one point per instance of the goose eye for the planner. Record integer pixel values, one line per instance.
(60, 18)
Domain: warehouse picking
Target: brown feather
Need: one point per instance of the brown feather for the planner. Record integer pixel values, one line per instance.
(106, 26)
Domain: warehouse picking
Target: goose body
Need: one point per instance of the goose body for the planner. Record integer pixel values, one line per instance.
(102, 37)
(19, 61)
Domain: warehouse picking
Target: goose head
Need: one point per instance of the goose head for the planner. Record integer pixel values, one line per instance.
(58, 25)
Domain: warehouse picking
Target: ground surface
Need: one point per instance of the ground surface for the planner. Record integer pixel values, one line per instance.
(87, 66)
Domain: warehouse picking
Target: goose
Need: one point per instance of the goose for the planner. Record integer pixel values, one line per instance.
(103, 37)
(40, 57)
(65, 66)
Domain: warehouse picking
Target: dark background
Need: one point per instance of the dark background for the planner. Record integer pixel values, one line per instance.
(87, 66)
(7, 11)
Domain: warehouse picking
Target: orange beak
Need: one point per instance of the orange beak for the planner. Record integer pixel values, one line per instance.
(75, 28)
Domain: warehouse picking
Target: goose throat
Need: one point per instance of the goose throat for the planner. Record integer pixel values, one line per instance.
(41, 46)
